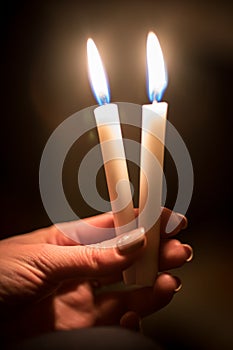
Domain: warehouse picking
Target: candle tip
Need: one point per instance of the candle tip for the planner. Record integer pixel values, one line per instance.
(103, 100)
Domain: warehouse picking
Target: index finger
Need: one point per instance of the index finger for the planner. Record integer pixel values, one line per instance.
(95, 229)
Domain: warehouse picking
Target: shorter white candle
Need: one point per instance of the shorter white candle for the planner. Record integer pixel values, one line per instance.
(111, 142)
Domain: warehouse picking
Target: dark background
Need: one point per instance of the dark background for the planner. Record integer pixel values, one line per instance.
(44, 80)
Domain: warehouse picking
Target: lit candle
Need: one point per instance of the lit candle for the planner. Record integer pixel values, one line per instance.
(151, 173)
(111, 143)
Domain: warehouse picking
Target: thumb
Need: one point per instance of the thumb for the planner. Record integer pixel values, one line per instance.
(64, 262)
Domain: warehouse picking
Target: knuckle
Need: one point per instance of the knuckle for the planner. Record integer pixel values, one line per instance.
(94, 258)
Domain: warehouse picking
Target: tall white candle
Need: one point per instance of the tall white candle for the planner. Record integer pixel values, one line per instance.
(151, 174)
(111, 142)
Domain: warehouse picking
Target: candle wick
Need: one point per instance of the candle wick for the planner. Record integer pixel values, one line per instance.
(154, 101)
(154, 97)
(103, 99)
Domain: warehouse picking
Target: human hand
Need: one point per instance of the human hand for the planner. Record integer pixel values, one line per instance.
(48, 281)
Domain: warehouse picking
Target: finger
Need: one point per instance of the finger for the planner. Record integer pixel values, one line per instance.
(142, 302)
(172, 223)
(174, 254)
(83, 261)
(99, 228)
(148, 300)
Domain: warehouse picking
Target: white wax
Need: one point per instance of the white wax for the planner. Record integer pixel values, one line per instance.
(113, 153)
(151, 175)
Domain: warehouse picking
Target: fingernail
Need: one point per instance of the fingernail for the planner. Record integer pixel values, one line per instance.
(175, 220)
(184, 221)
(189, 251)
(179, 284)
(131, 240)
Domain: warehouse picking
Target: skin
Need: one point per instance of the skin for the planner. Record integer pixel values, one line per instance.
(49, 282)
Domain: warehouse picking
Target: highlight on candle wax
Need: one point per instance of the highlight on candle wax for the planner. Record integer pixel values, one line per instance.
(97, 75)
(156, 69)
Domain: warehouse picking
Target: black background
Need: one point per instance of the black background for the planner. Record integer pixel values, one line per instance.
(44, 80)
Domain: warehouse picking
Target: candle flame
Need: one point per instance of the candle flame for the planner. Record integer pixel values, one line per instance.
(97, 75)
(156, 70)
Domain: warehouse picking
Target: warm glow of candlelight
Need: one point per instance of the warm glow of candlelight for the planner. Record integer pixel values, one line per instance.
(97, 75)
(156, 70)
